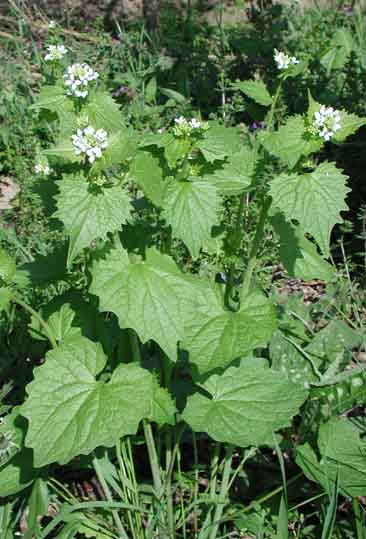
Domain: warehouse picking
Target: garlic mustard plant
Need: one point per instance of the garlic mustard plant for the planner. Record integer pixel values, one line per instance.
(55, 53)
(77, 78)
(90, 142)
(327, 121)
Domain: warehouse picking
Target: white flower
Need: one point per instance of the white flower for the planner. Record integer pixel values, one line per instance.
(42, 167)
(327, 121)
(55, 52)
(52, 24)
(90, 142)
(77, 78)
(284, 61)
(195, 124)
(184, 127)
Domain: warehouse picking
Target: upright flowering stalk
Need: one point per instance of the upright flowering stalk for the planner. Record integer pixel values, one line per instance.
(55, 53)
(90, 143)
(284, 61)
(77, 78)
(327, 121)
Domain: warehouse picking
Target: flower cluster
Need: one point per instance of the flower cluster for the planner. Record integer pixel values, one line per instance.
(55, 52)
(42, 167)
(284, 61)
(90, 142)
(327, 121)
(184, 128)
(77, 78)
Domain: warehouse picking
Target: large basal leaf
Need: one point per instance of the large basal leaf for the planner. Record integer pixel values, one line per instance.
(215, 336)
(343, 454)
(147, 173)
(89, 212)
(298, 255)
(245, 405)
(143, 295)
(315, 200)
(191, 209)
(218, 142)
(104, 113)
(235, 176)
(256, 90)
(70, 412)
(290, 142)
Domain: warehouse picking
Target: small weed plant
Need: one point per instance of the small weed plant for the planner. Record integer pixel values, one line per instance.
(147, 352)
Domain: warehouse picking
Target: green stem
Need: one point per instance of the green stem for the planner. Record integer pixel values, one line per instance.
(236, 244)
(258, 238)
(358, 519)
(153, 458)
(109, 497)
(223, 492)
(39, 318)
(273, 107)
(168, 484)
(214, 469)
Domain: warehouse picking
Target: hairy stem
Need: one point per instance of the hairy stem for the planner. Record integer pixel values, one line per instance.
(258, 238)
(273, 107)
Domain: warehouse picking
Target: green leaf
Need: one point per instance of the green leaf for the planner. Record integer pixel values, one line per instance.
(71, 413)
(16, 466)
(216, 336)
(175, 149)
(235, 176)
(315, 200)
(238, 406)
(44, 269)
(65, 150)
(163, 407)
(147, 173)
(150, 90)
(191, 209)
(288, 359)
(121, 147)
(52, 98)
(350, 123)
(298, 255)
(104, 113)
(256, 90)
(218, 142)
(89, 212)
(7, 267)
(175, 96)
(338, 53)
(343, 453)
(143, 295)
(5, 298)
(290, 142)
